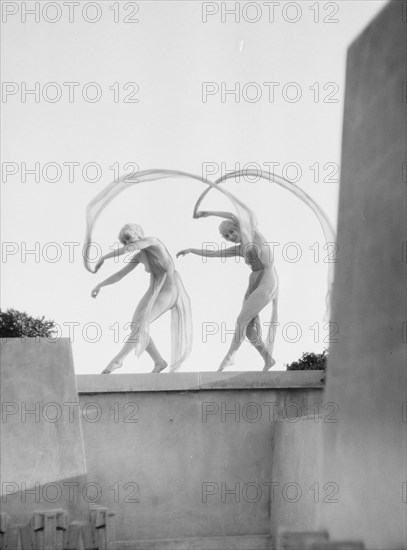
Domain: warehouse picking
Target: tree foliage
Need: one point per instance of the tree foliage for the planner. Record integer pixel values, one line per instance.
(14, 324)
(310, 361)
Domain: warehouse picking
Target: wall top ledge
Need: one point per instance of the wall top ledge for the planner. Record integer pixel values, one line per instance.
(196, 381)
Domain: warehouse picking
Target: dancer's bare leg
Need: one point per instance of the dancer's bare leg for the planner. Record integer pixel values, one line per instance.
(272, 331)
(130, 344)
(159, 363)
(253, 333)
(163, 303)
(251, 308)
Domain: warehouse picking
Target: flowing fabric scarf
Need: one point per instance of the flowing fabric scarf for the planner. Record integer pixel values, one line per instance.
(111, 191)
(247, 223)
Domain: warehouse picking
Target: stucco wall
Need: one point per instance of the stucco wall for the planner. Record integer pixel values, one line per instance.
(298, 486)
(42, 458)
(195, 450)
(365, 452)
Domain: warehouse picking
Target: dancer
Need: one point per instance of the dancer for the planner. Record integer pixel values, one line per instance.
(166, 292)
(249, 243)
(263, 284)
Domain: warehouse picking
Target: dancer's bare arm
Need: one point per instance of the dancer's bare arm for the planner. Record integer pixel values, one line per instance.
(225, 215)
(116, 277)
(226, 253)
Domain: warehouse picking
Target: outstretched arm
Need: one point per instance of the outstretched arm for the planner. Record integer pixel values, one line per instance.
(116, 277)
(226, 253)
(226, 215)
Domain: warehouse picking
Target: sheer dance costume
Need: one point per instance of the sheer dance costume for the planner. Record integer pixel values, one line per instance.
(259, 270)
(181, 321)
(163, 277)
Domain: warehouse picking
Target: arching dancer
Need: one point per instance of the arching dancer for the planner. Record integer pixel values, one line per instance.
(246, 216)
(246, 226)
(165, 293)
(263, 283)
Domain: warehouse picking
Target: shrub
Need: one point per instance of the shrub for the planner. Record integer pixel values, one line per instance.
(14, 324)
(310, 361)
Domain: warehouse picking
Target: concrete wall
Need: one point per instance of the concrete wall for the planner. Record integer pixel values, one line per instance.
(42, 458)
(298, 487)
(365, 452)
(166, 449)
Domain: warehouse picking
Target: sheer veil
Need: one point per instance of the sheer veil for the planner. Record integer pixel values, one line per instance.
(247, 222)
(247, 218)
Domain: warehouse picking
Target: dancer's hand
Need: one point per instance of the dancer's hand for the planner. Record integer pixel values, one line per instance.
(95, 291)
(202, 214)
(183, 252)
(99, 264)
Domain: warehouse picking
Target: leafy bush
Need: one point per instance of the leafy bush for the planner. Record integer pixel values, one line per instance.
(14, 324)
(310, 361)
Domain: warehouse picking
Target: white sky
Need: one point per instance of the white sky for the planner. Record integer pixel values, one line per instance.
(169, 53)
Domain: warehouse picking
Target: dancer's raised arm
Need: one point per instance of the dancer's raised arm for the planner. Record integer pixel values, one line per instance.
(206, 214)
(225, 215)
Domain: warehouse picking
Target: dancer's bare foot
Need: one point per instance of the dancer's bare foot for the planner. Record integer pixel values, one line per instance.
(158, 367)
(270, 362)
(113, 365)
(227, 362)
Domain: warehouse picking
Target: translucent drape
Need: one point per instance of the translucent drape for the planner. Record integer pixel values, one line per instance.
(181, 323)
(247, 218)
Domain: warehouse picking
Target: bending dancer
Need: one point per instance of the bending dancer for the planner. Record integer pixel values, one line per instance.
(263, 285)
(166, 292)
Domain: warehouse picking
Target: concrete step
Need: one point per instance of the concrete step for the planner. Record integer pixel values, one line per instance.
(338, 545)
(300, 540)
(243, 542)
(312, 540)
